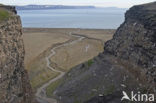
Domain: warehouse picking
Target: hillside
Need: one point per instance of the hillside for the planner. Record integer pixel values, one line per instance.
(127, 63)
(14, 81)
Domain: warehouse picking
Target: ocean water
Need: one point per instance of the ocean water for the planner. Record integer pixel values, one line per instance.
(73, 18)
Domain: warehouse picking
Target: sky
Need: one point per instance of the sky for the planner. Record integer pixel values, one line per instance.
(98, 3)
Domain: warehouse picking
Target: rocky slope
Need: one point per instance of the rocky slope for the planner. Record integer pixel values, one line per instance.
(128, 63)
(135, 40)
(14, 82)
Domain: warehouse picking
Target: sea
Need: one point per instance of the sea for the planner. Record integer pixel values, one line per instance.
(97, 18)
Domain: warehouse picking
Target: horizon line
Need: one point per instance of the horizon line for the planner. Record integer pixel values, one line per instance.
(73, 5)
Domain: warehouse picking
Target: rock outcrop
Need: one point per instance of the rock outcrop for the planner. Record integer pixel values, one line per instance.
(14, 82)
(135, 40)
(128, 63)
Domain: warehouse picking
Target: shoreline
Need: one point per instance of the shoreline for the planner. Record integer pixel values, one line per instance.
(49, 30)
(66, 28)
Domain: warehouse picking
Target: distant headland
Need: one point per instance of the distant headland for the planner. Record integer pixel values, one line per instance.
(43, 7)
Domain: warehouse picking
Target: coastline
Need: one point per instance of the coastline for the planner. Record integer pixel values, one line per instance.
(38, 28)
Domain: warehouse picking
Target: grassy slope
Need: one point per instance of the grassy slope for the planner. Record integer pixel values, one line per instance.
(66, 58)
(51, 88)
(38, 72)
(37, 48)
(4, 14)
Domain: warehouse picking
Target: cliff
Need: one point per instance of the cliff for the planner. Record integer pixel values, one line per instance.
(14, 82)
(135, 40)
(128, 63)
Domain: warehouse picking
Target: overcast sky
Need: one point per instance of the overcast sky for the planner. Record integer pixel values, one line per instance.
(100, 3)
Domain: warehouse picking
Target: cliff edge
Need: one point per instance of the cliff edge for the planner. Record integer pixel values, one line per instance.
(128, 64)
(14, 82)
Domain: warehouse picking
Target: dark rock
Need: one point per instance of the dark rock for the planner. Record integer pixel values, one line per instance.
(135, 39)
(103, 77)
(110, 98)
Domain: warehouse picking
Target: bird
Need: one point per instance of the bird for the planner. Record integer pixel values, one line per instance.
(125, 96)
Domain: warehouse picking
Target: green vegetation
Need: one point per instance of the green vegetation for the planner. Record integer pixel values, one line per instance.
(39, 73)
(90, 62)
(4, 14)
(42, 78)
(77, 100)
(109, 90)
(51, 88)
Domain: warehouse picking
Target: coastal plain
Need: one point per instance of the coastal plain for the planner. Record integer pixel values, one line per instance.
(39, 41)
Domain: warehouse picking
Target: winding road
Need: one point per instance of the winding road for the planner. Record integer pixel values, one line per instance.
(41, 92)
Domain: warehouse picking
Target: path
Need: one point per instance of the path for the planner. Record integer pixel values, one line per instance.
(41, 92)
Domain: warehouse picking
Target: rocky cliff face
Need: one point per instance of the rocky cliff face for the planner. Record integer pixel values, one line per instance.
(135, 40)
(14, 82)
(128, 63)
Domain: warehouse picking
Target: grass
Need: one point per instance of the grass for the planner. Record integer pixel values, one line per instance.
(38, 42)
(39, 73)
(42, 78)
(4, 14)
(66, 58)
(50, 89)
(77, 100)
(90, 62)
(109, 90)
